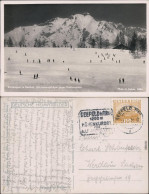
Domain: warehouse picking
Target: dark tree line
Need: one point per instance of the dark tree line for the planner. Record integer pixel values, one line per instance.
(8, 42)
(88, 40)
(137, 43)
(39, 43)
(93, 42)
(120, 39)
(22, 42)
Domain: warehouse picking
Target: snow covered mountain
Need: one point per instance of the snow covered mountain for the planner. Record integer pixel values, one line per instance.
(79, 30)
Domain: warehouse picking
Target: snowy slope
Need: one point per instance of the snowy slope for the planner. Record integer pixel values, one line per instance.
(70, 31)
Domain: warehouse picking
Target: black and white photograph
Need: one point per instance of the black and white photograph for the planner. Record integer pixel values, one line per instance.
(88, 47)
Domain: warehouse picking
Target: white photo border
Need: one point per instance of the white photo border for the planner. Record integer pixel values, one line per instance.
(76, 94)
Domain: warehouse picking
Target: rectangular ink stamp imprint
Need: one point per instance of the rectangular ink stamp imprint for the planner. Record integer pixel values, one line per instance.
(95, 122)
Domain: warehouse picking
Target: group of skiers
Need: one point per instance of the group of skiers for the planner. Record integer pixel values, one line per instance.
(35, 76)
(121, 80)
(108, 56)
(75, 79)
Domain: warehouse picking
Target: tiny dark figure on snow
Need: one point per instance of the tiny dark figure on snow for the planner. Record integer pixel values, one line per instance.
(112, 59)
(71, 78)
(119, 80)
(123, 80)
(37, 75)
(27, 60)
(16, 51)
(98, 56)
(68, 69)
(34, 76)
(20, 72)
(25, 54)
(33, 61)
(119, 61)
(63, 61)
(8, 58)
(39, 61)
(78, 80)
(75, 79)
(53, 60)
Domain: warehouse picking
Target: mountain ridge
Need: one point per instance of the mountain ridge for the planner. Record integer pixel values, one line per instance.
(78, 30)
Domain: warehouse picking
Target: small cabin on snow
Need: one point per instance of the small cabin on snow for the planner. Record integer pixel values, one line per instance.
(121, 46)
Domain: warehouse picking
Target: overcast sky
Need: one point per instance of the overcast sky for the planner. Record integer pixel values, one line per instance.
(22, 15)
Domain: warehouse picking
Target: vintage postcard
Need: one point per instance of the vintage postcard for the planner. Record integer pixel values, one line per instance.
(75, 145)
(74, 48)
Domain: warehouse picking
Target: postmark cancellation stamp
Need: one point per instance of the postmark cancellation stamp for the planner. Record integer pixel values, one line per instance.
(127, 113)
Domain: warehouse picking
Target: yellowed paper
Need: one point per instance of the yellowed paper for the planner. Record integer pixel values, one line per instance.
(73, 145)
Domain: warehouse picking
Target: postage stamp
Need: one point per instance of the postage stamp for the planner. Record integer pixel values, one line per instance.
(95, 121)
(127, 114)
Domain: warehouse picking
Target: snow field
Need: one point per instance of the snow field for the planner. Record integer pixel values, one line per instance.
(94, 68)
